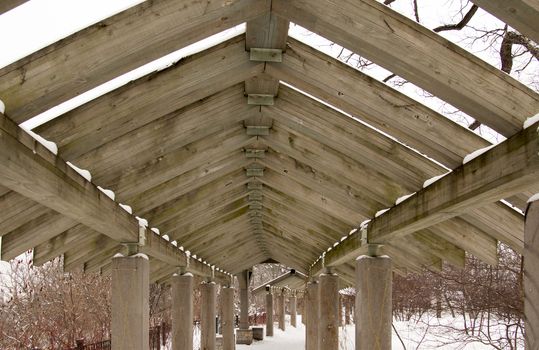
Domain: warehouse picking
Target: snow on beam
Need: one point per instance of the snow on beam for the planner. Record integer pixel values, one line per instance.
(91, 57)
(509, 168)
(519, 14)
(30, 169)
(419, 55)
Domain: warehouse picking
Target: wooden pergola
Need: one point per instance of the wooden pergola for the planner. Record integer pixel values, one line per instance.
(263, 148)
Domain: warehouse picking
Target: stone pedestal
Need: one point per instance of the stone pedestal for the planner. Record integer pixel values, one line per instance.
(258, 333)
(130, 303)
(244, 336)
(531, 276)
(373, 303)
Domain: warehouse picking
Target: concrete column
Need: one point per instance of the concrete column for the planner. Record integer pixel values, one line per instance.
(293, 312)
(531, 276)
(340, 310)
(207, 315)
(347, 308)
(373, 303)
(269, 314)
(311, 300)
(329, 312)
(282, 312)
(303, 319)
(227, 322)
(182, 311)
(130, 303)
(243, 279)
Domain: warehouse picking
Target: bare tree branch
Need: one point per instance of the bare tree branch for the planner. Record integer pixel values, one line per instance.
(465, 20)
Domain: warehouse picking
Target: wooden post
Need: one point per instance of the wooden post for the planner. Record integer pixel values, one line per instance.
(269, 313)
(227, 322)
(130, 303)
(182, 312)
(207, 313)
(293, 312)
(373, 303)
(329, 312)
(531, 276)
(282, 311)
(303, 319)
(312, 316)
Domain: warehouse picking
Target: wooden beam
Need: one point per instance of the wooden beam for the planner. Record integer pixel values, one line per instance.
(182, 127)
(6, 5)
(76, 237)
(35, 172)
(150, 97)
(312, 197)
(419, 55)
(381, 153)
(376, 103)
(508, 168)
(311, 152)
(91, 57)
(519, 14)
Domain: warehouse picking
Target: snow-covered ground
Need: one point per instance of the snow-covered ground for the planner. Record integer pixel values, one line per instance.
(413, 335)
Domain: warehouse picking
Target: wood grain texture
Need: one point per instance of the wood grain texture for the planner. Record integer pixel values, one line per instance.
(113, 47)
(415, 53)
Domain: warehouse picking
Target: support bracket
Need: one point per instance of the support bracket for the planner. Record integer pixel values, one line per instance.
(266, 55)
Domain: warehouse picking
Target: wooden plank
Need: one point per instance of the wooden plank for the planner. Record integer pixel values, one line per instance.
(267, 31)
(317, 180)
(33, 171)
(508, 168)
(357, 141)
(336, 164)
(6, 5)
(376, 103)
(419, 55)
(113, 47)
(519, 14)
(57, 186)
(171, 165)
(312, 197)
(170, 132)
(150, 97)
(16, 210)
(501, 222)
(76, 238)
(34, 232)
(468, 237)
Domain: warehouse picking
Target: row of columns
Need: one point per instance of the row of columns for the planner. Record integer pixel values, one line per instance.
(130, 308)
(373, 307)
(280, 311)
(373, 310)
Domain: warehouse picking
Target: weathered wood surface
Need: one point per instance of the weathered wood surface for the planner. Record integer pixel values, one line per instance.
(415, 53)
(519, 14)
(112, 47)
(508, 168)
(6, 5)
(149, 98)
(35, 172)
